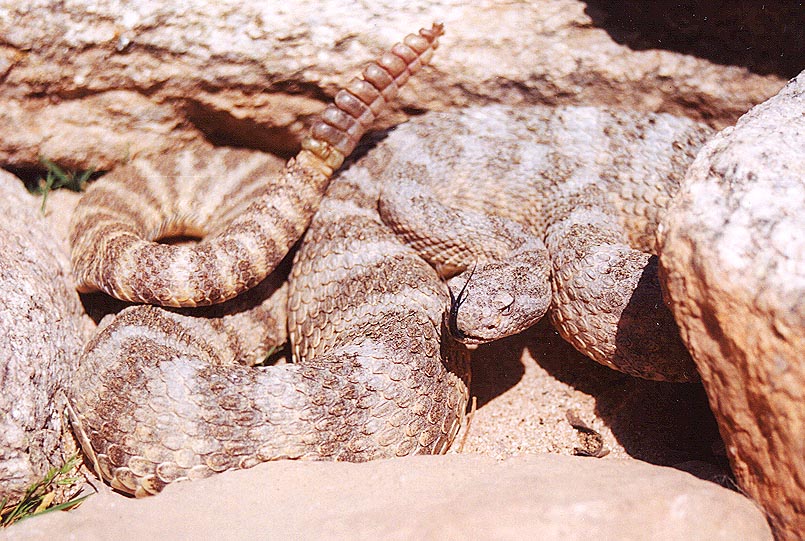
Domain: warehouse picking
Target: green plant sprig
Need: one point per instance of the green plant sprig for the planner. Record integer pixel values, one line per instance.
(39, 496)
(57, 177)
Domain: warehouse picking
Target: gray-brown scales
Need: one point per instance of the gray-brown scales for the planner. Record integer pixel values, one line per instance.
(162, 395)
(530, 209)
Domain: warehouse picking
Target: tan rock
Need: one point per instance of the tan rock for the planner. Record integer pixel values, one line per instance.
(733, 257)
(92, 82)
(40, 336)
(426, 497)
(59, 208)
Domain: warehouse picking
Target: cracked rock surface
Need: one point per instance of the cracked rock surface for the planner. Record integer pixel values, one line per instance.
(40, 336)
(98, 81)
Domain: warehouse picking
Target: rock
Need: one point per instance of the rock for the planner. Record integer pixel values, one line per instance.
(425, 497)
(59, 208)
(733, 260)
(40, 337)
(90, 83)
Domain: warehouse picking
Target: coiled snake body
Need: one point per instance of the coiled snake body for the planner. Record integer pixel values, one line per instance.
(500, 199)
(160, 395)
(520, 210)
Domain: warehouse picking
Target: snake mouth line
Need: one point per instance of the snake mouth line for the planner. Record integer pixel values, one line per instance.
(471, 341)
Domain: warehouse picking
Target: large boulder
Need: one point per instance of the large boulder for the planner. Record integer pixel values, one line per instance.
(733, 261)
(92, 82)
(40, 337)
(424, 497)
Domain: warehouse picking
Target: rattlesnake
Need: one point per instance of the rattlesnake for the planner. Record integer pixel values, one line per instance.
(376, 371)
(159, 395)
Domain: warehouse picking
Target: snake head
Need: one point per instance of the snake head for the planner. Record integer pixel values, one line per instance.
(495, 300)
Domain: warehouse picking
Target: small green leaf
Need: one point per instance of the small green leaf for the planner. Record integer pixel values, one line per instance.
(39, 496)
(57, 177)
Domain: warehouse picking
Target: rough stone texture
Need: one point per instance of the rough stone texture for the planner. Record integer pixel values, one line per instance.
(452, 497)
(58, 212)
(733, 256)
(95, 81)
(40, 336)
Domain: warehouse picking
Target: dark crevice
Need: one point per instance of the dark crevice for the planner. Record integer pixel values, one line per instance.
(221, 128)
(32, 176)
(179, 240)
(292, 87)
(28, 174)
(413, 111)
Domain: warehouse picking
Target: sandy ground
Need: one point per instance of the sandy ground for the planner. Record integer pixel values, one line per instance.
(526, 385)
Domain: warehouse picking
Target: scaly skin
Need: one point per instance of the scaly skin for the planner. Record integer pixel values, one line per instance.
(161, 395)
(245, 233)
(478, 191)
